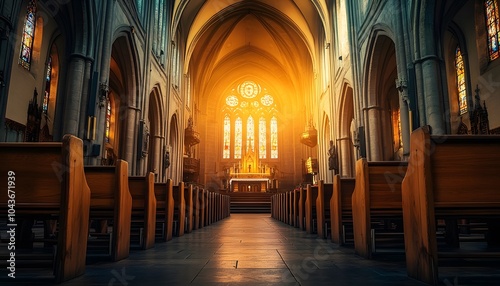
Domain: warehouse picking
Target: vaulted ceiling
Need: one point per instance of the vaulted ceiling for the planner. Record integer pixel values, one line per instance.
(271, 42)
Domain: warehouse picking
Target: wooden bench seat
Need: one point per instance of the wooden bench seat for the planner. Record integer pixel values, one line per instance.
(189, 209)
(376, 196)
(196, 208)
(164, 195)
(110, 200)
(310, 208)
(143, 208)
(302, 208)
(325, 192)
(341, 208)
(179, 209)
(455, 176)
(49, 181)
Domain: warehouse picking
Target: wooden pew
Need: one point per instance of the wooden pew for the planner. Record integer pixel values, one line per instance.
(377, 194)
(143, 208)
(49, 180)
(203, 206)
(196, 207)
(325, 192)
(295, 208)
(188, 200)
(179, 209)
(453, 176)
(302, 208)
(207, 207)
(341, 207)
(310, 208)
(164, 210)
(110, 200)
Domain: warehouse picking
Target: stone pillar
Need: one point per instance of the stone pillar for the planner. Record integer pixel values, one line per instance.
(428, 68)
(156, 156)
(345, 154)
(104, 65)
(373, 133)
(74, 87)
(129, 135)
(433, 95)
(85, 97)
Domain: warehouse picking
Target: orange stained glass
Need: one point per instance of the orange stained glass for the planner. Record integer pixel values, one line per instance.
(226, 153)
(462, 91)
(45, 105)
(250, 134)
(262, 138)
(108, 120)
(238, 137)
(492, 27)
(274, 138)
(28, 35)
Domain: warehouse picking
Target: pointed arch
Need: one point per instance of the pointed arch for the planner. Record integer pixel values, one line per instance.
(381, 98)
(345, 140)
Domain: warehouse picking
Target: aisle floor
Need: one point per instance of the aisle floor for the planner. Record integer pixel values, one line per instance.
(254, 249)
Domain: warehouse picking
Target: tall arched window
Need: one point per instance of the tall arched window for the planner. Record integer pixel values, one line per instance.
(274, 138)
(250, 134)
(227, 138)
(252, 111)
(108, 121)
(46, 95)
(493, 28)
(28, 36)
(238, 138)
(262, 138)
(462, 91)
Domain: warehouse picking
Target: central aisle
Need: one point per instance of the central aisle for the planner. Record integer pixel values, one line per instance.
(246, 249)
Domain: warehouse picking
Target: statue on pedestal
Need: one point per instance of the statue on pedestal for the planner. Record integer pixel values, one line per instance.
(332, 158)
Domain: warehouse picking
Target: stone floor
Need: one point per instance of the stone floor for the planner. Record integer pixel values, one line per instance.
(254, 249)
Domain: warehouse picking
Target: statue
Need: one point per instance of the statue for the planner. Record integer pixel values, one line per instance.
(332, 158)
(166, 159)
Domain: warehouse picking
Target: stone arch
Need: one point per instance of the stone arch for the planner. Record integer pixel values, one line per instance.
(124, 83)
(345, 141)
(454, 37)
(381, 99)
(174, 147)
(156, 147)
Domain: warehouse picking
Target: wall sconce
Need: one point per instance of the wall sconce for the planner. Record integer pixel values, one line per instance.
(103, 93)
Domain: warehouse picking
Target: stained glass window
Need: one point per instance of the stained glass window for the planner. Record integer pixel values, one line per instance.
(227, 138)
(108, 120)
(462, 91)
(250, 134)
(493, 28)
(253, 107)
(48, 74)
(28, 36)
(274, 138)
(396, 127)
(262, 138)
(238, 137)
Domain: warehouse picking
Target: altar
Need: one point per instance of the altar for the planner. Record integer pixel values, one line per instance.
(250, 174)
(254, 185)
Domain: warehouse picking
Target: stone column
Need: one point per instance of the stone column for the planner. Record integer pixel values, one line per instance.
(345, 153)
(373, 133)
(128, 136)
(74, 87)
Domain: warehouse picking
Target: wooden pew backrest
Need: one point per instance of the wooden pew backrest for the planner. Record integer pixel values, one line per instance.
(49, 179)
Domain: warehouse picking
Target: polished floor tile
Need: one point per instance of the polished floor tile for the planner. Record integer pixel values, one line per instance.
(253, 249)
